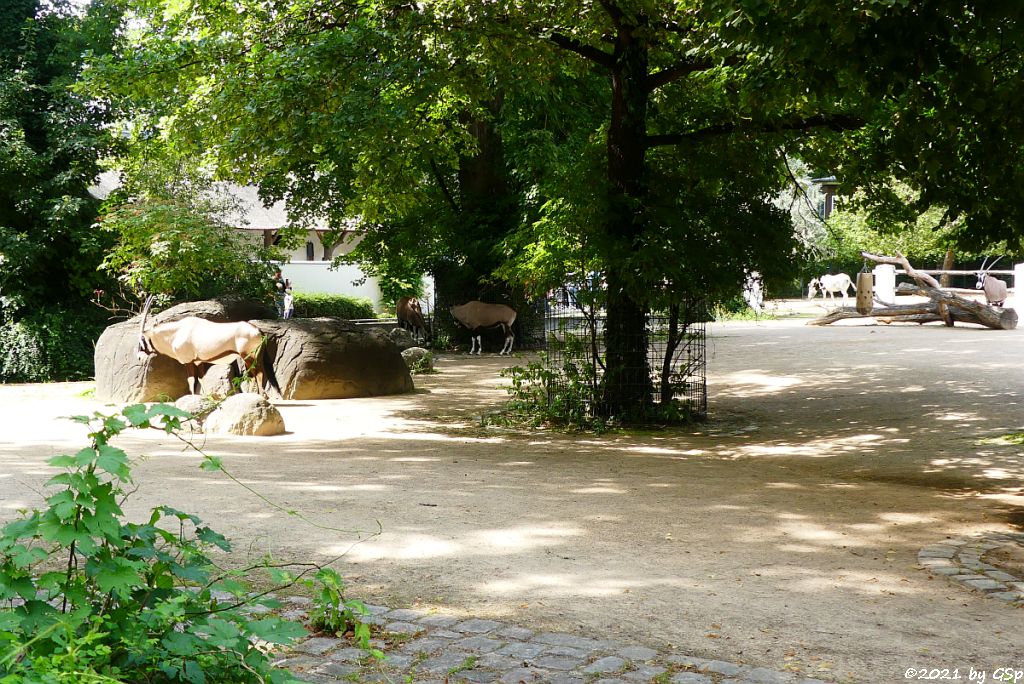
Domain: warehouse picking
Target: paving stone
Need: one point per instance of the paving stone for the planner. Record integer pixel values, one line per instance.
(687, 661)
(348, 655)
(560, 639)
(933, 552)
(445, 661)
(317, 645)
(297, 662)
(1000, 576)
(496, 661)
(690, 678)
(605, 665)
(637, 653)
(446, 634)
(521, 650)
(405, 614)
(516, 633)
(763, 675)
(403, 628)
(398, 661)
(477, 626)
(480, 644)
(722, 667)
(950, 570)
(522, 674)
(428, 645)
(985, 584)
(563, 678)
(377, 610)
(1008, 596)
(476, 676)
(580, 653)
(553, 662)
(605, 680)
(644, 673)
(338, 669)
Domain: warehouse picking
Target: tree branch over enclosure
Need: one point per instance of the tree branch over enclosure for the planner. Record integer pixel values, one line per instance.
(588, 52)
(836, 122)
(677, 71)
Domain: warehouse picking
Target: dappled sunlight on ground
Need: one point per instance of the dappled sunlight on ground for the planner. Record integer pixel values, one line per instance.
(807, 494)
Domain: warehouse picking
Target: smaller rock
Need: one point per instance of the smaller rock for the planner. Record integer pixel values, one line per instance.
(418, 359)
(402, 338)
(245, 414)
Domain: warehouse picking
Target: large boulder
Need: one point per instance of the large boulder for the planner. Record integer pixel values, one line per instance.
(245, 414)
(402, 338)
(418, 360)
(122, 377)
(330, 358)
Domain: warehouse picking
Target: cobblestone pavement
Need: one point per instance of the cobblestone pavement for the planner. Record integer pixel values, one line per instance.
(962, 560)
(435, 649)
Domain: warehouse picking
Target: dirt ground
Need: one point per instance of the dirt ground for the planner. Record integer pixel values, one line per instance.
(781, 533)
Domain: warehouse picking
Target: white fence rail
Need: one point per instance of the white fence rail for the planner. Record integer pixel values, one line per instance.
(885, 279)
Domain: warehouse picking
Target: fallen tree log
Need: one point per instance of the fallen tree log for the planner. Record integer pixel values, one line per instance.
(942, 306)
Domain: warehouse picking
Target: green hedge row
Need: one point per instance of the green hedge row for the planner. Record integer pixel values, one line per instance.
(340, 306)
(49, 346)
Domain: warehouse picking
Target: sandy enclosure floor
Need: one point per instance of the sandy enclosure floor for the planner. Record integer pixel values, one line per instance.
(782, 533)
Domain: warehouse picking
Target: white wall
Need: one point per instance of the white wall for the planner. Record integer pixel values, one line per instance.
(316, 277)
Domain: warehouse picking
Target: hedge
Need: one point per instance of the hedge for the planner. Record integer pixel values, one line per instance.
(340, 306)
(49, 346)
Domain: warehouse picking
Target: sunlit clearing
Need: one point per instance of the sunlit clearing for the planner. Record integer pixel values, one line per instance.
(479, 543)
(965, 417)
(664, 451)
(760, 383)
(557, 585)
(907, 518)
(599, 490)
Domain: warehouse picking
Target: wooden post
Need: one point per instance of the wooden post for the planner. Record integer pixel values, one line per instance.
(865, 293)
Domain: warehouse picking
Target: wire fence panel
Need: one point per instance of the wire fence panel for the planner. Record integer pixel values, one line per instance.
(675, 374)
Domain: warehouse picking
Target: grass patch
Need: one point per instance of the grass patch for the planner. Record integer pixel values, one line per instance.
(1009, 439)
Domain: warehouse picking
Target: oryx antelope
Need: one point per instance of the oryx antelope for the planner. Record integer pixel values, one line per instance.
(995, 289)
(410, 317)
(479, 316)
(195, 342)
(829, 285)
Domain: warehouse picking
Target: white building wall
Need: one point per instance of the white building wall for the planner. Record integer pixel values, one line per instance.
(316, 277)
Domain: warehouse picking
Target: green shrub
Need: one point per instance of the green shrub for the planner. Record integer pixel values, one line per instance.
(88, 596)
(340, 306)
(49, 346)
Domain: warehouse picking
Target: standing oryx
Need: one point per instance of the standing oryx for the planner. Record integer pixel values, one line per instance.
(195, 342)
(477, 316)
(829, 285)
(995, 289)
(409, 314)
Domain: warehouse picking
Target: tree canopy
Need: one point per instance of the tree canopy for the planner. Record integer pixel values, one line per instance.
(644, 140)
(50, 142)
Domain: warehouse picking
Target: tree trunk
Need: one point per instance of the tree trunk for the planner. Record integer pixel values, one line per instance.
(627, 384)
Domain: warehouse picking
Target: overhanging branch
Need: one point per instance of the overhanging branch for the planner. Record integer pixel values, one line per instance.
(588, 52)
(835, 122)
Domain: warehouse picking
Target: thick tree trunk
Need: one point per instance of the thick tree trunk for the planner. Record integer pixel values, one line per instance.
(627, 384)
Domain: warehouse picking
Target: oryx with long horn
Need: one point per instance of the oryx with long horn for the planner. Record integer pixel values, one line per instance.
(995, 289)
(195, 342)
(478, 316)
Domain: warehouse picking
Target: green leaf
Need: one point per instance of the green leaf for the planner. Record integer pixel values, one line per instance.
(276, 630)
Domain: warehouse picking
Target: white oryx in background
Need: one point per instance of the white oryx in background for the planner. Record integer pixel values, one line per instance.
(995, 289)
(195, 342)
(478, 316)
(829, 285)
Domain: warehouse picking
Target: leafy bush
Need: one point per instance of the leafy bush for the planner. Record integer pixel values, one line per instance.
(49, 346)
(340, 306)
(86, 596)
(180, 250)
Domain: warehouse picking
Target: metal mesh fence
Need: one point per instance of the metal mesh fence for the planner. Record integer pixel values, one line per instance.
(674, 380)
